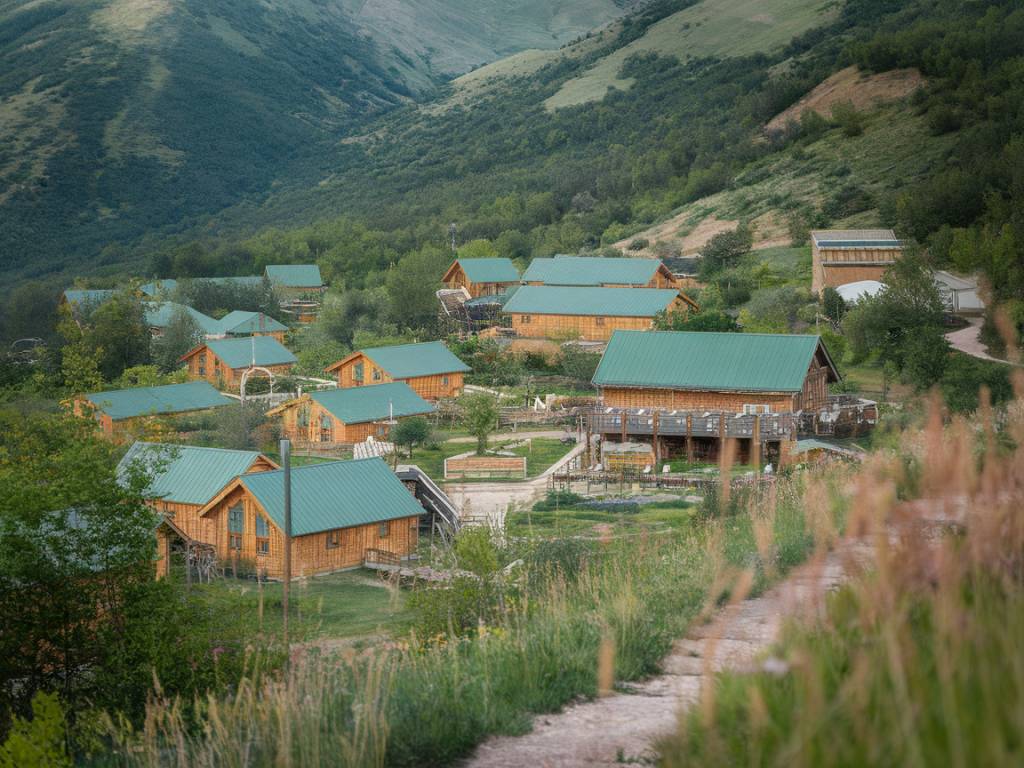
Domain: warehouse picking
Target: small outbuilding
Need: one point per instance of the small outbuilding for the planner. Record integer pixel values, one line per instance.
(342, 511)
(242, 323)
(429, 368)
(589, 314)
(342, 417)
(482, 277)
(295, 279)
(223, 361)
(121, 412)
(840, 256)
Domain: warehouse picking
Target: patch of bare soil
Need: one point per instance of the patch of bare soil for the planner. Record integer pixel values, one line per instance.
(769, 231)
(850, 84)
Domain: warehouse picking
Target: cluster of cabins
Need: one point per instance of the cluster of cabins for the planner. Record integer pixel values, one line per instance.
(583, 298)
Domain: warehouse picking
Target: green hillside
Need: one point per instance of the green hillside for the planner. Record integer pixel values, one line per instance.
(124, 118)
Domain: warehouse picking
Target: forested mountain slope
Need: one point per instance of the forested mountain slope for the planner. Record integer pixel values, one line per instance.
(120, 118)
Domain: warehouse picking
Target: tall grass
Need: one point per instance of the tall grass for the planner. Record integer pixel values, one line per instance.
(564, 636)
(919, 660)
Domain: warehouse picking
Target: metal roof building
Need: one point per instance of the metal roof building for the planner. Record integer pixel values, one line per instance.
(376, 402)
(242, 323)
(242, 352)
(160, 313)
(406, 361)
(170, 398)
(295, 275)
(591, 271)
(606, 302)
(705, 361)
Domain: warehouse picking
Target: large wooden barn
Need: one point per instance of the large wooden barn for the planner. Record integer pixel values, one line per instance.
(482, 277)
(182, 480)
(223, 361)
(590, 314)
(687, 392)
(341, 511)
(341, 417)
(121, 413)
(430, 368)
(841, 256)
(596, 271)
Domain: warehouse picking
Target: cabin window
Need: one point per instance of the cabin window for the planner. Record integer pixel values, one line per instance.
(751, 409)
(382, 530)
(236, 519)
(326, 429)
(525, 319)
(599, 320)
(262, 527)
(377, 374)
(262, 546)
(202, 366)
(357, 372)
(235, 541)
(303, 418)
(444, 381)
(333, 540)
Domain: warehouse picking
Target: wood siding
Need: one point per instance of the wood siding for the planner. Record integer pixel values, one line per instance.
(694, 400)
(585, 327)
(125, 430)
(204, 364)
(310, 554)
(428, 387)
(458, 279)
(313, 433)
(832, 267)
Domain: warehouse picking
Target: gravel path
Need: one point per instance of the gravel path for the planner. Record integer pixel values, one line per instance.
(625, 727)
(968, 341)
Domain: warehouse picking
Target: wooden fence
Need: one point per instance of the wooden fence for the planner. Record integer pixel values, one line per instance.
(463, 467)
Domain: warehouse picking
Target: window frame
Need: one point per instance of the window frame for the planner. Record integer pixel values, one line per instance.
(383, 529)
(332, 540)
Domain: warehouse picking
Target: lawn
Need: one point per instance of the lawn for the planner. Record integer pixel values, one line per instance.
(352, 604)
(540, 453)
(577, 520)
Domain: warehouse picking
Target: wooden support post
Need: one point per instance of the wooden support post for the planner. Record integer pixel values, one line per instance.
(623, 416)
(654, 433)
(755, 445)
(721, 436)
(689, 438)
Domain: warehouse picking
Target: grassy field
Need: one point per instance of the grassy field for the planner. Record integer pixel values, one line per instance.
(721, 28)
(540, 453)
(349, 605)
(577, 520)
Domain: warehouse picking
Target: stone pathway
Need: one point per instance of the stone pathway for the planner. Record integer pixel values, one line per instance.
(625, 727)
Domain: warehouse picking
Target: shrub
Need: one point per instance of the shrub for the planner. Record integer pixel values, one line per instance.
(849, 120)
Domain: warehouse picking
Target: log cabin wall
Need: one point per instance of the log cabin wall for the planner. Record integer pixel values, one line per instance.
(587, 327)
(814, 395)
(832, 267)
(313, 553)
(680, 399)
(433, 387)
(476, 290)
(206, 365)
(314, 433)
(348, 374)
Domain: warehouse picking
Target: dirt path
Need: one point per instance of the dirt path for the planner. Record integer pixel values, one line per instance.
(968, 341)
(506, 436)
(624, 727)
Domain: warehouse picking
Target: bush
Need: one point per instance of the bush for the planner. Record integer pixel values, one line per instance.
(849, 120)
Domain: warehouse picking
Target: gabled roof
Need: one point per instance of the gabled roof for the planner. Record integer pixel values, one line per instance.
(405, 361)
(88, 296)
(242, 322)
(337, 494)
(487, 270)
(244, 280)
(159, 314)
(608, 302)
(295, 275)
(591, 270)
(159, 286)
(169, 398)
(376, 402)
(187, 474)
(716, 362)
(242, 352)
(855, 238)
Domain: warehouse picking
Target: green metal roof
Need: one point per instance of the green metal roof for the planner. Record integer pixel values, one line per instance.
(170, 398)
(240, 353)
(490, 270)
(357, 405)
(88, 296)
(159, 286)
(242, 322)
(404, 361)
(591, 270)
(159, 314)
(611, 302)
(744, 362)
(244, 280)
(295, 275)
(337, 494)
(186, 474)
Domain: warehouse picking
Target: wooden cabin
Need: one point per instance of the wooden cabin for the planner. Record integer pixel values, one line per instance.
(294, 280)
(589, 314)
(841, 256)
(160, 315)
(597, 271)
(240, 323)
(341, 511)
(223, 361)
(430, 369)
(184, 479)
(734, 372)
(341, 417)
(482, 277)
(122, 413)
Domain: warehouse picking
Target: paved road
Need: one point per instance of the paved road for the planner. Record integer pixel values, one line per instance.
(623, 728)
(968, 341)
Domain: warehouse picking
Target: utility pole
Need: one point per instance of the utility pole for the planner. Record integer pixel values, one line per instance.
(286, 463)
